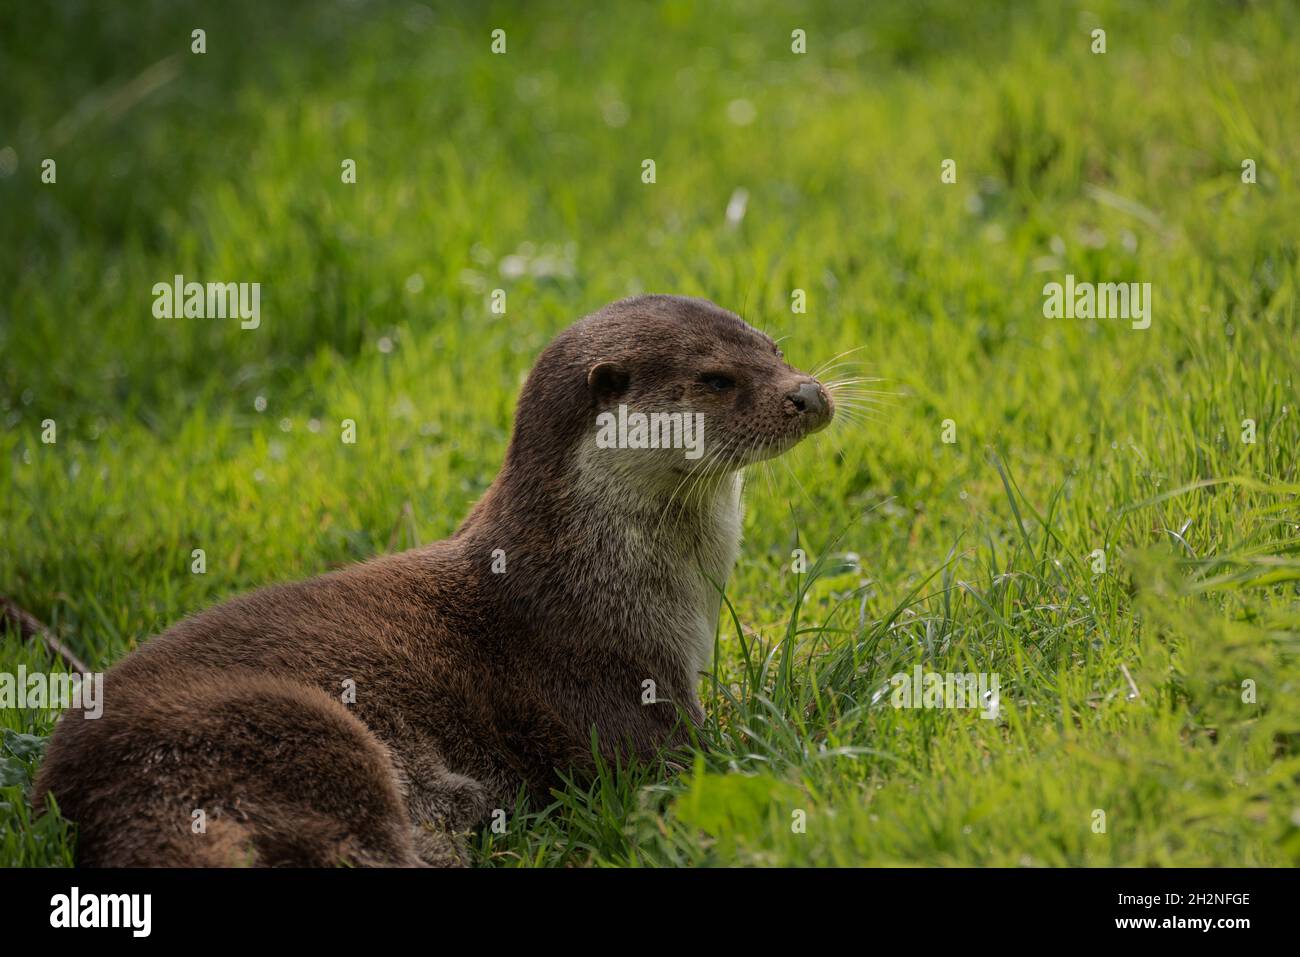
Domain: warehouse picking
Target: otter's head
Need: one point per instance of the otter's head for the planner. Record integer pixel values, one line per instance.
(661, 387)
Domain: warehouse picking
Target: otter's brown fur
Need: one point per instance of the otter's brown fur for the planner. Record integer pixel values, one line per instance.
(470, 682)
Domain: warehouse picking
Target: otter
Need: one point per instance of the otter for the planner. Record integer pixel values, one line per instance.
(374, 715)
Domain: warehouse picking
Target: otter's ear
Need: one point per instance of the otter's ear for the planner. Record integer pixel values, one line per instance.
(607, 380)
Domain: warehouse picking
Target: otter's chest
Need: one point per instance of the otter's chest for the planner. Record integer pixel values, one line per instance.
(715, 557)
(678, 576)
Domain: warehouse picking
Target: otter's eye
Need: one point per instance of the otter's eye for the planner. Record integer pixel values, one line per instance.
(717, 381)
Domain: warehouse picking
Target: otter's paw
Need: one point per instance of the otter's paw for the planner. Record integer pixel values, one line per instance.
(465, 799)
(439, 848)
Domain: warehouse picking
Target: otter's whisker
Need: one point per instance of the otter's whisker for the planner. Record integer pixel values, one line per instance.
(802, 491)
(685, 483)
(855, 402)
(821, 369)
(868, 404)
(854, 392)
(705, 484)
(860, 417)
(851, 386)
(864, 402)
(840, 388)
(860, 378)
(856, 417)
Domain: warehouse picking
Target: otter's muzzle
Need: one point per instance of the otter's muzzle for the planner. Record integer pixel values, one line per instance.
(810, 402)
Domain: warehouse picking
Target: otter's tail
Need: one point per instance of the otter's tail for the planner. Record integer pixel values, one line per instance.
(229, 770)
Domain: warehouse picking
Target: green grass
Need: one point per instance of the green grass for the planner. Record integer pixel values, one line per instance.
(975, 556)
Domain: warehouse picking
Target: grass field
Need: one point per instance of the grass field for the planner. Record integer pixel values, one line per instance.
(1162, 691)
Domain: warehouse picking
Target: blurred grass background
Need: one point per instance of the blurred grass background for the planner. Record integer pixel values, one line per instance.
(523, 172)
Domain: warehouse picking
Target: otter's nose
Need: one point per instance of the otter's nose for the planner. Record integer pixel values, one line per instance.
(809, 399)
